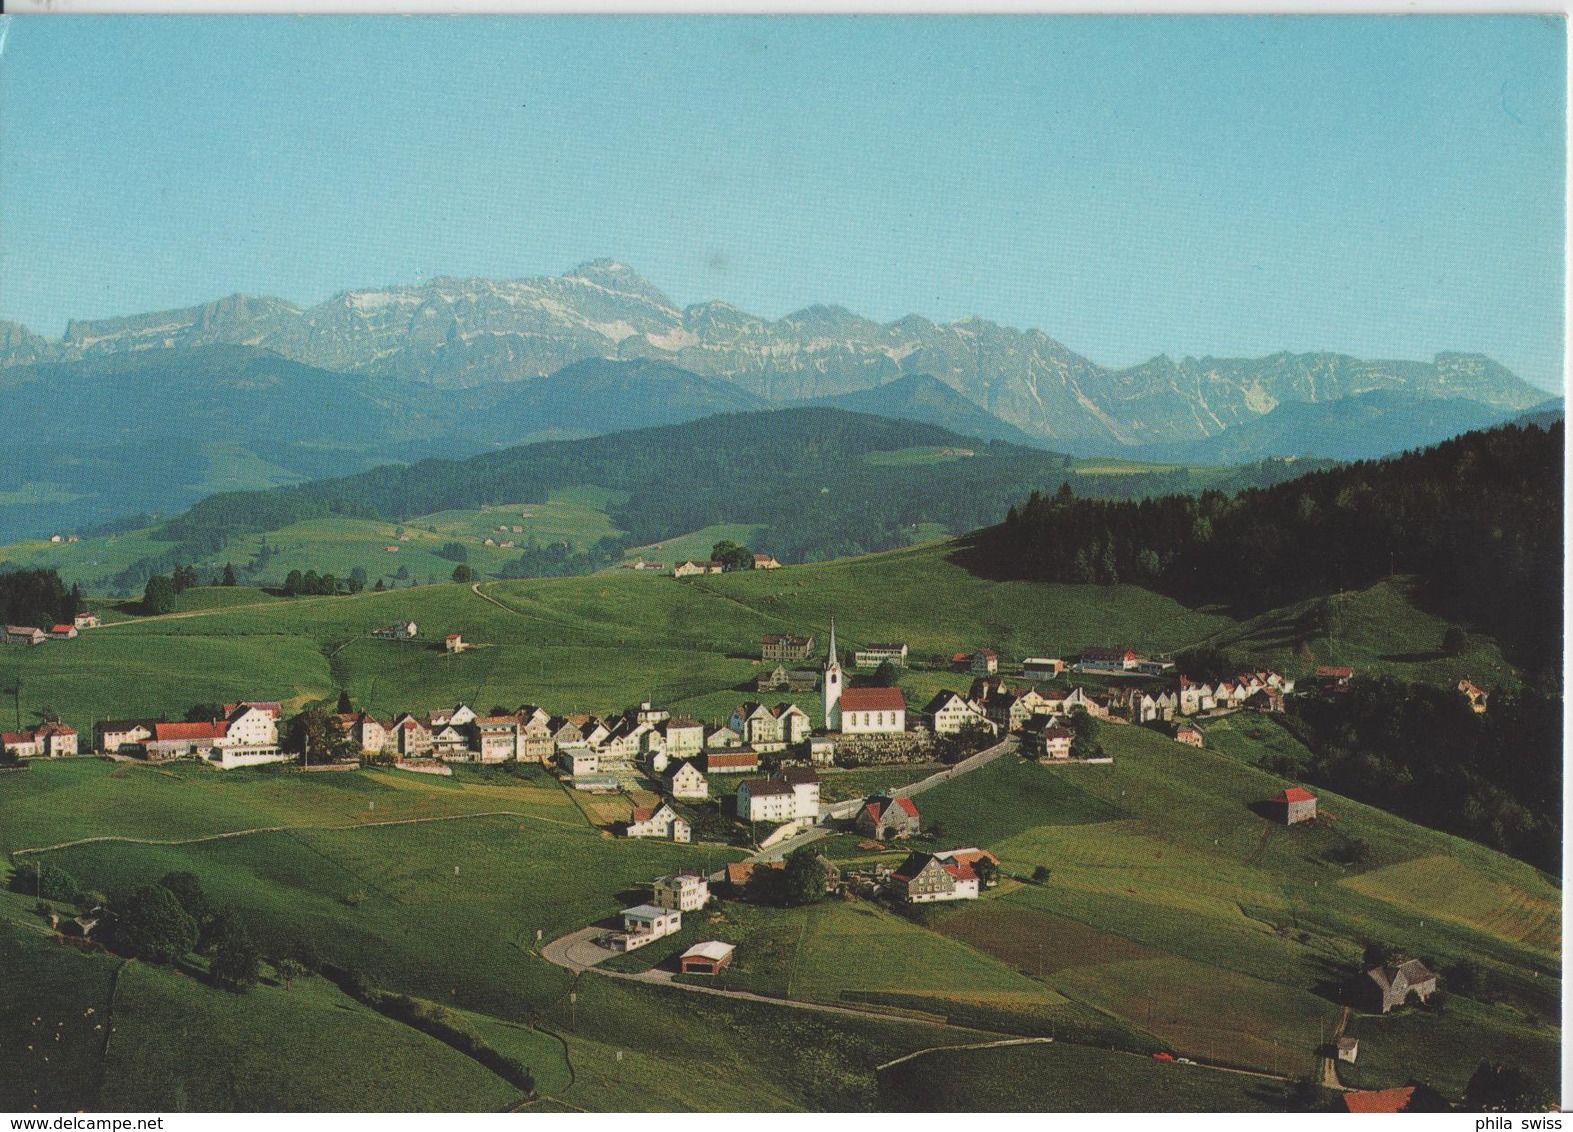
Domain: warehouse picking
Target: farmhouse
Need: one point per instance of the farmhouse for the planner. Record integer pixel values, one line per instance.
(453, 642)
(883, 817)
(1476, 695)
(1406, 1098)
(872, 656)
(62, 632)
(1293, 805)
(708, 958)
(690, 568)
(925, 878)
(22, 635)
(1395, 983)
(766, 562)
(784, 646)
(1043, 737)
(985, 662)
(47, 740)
(783, 679)
(684, 779)
(687, 892)
(87, 621)
(948, 714)
(646, 924)
(871, 711)
(1190, 736)
(114, 736)
(1334, 678)
(657, 821)
(1042, 667)
(399, 630)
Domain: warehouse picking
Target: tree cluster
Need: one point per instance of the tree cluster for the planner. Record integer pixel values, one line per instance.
(37, 597)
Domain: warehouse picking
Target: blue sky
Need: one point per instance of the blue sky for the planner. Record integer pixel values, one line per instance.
(1387, 186)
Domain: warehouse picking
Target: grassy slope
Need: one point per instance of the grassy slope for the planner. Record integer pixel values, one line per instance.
(1176, 908)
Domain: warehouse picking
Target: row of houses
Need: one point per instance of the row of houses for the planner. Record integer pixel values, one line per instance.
(62, 631)
(246, 735)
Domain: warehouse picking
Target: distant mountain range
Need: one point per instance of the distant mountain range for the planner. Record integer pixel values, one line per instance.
(459, 366)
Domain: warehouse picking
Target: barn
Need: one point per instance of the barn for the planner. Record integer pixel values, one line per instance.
(1294, 805)
(708, 958)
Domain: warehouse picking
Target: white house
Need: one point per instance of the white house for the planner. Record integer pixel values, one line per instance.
(646, 924)
(658, 821)
(578, 759)
(792, 797)
(872, 711)
(949, 714)
(687, 892)
(685, 780)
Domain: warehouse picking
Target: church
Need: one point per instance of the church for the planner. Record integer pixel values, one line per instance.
(859, 711)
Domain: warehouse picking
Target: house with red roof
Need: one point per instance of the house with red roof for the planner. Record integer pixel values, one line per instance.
(46, 741)
(872, 711)
(883, 817)
(1405, 1098)
(657, 821)
(1333, 677)
(930, 877)
(1293, 805)
(62, 632)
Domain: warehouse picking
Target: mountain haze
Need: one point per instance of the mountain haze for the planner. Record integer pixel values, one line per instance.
(456, 334)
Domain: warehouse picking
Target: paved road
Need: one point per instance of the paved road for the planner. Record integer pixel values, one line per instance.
(578, 951)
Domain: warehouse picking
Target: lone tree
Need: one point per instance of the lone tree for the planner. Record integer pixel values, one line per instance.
(237, 964)
(805, 878)
(346, 706)
(149, 923)
(463, 575)
(318, 733)
(188, 890)
(1454, 641)
(229, 575)
(1041, 874)
(887, 675)
(732, 556)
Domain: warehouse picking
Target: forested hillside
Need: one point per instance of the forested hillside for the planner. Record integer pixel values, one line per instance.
(1477, 519)
(823, 482)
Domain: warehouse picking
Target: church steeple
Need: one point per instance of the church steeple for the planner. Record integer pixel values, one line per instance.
(832, 684)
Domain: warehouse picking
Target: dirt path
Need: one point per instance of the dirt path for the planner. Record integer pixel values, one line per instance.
(286, 829)
(973, 1045)
(1330, 1063)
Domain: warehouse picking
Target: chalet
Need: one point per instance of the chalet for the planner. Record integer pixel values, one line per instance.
(1042, 667)
(22, 635)
(657, 821)
(884, 817)
(684, 779)
(1476, 695)
(1108, 660)
(62, 632)
(1395, 983)
(766, 562)
(117, 736)
(948, 714)
(736, 760)
(398, 631)
(872, 656)
(784, 646)
(1334, 678)
(708, 958)
(646, 924)
(1044, 737)
(87, 621)
(1190, 736)
(1293, 805)
(985, 662)
(687, 892)
(930, 877)
(872, 711)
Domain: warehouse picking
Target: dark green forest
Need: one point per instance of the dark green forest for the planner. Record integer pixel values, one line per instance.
(37, 598)
(1477, 520)
(802, 473)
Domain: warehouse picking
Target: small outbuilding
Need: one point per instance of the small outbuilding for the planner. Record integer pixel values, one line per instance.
(1348, 1049)
(708, 958)
(1294, 805)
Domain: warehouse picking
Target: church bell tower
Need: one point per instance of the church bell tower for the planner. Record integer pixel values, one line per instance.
(832, 684)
